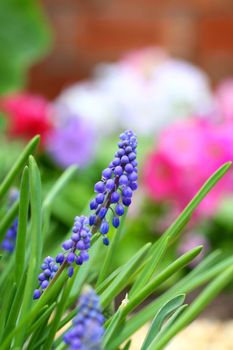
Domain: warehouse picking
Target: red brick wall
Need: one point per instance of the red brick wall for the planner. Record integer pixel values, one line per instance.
(91, 31)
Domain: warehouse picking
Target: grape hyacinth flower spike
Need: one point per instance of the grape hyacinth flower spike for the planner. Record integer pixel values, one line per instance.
(8, 243)
(116, 187)
(76, 248)
(75, 251)
(87, 327)
(49, 268)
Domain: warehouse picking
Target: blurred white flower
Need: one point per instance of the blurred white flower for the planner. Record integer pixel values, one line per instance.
(93, 103)
(145, 90)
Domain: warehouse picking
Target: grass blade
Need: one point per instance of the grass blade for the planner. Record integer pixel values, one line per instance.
(110, 252)
(8, 219)
(121, 280)
(36, 242)
(20, 248)
(209, 293)
(162, 276)
(59, 185)
(29, 149)
(158, 250)
(166, 310)
(185, 286)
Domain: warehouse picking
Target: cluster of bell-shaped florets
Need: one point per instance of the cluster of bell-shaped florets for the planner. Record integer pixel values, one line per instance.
(76, 248)
(75, 252)
(116, 187)
(87, 328)
(49, 268)
(8, 243)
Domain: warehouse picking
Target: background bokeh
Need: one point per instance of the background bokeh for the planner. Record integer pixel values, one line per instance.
(92, 31)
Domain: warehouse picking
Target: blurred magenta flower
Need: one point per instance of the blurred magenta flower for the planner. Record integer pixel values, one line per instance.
(187, 153)
(161, 177)
(28, 115)
(73, 141)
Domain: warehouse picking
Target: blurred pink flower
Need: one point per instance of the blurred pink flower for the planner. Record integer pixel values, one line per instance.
(28, 115)
(161, 177)
(224, 99)
(187, 153)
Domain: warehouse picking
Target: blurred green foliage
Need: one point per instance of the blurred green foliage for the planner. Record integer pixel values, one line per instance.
(24, 38)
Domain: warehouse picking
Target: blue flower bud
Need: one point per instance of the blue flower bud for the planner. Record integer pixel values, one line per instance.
(124, 160)
(115, 221)
(44, 284)
(80, 245)
(104, 227)
(126, 201)
(127, 192)
(100, 198)
(93, 204)
(133, 176)
(133, 185)
(41, 277)
(115, 196)
(70, 258)
(70, 271)
(107, 173)
(102, 212)
(132, 156)
(36, 294)
(110, 184)
(129, 168)
(79, 260)
(84, 255)
(60, 258)
(116, 161)
(92, 220)
(119, 209)
(99, 187)
(105, 241)
(118, 171)
(67, 244)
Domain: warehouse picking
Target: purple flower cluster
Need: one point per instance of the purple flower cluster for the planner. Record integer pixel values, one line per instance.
(114, 192)
(8, 244)
(87, 330)
(49, 268)
(76, 251)
(77, 246)
(116, 187)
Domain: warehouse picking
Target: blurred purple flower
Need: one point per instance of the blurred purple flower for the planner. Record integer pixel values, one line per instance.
(72, 142)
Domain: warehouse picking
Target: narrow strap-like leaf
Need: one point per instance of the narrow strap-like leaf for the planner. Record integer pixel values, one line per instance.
(19, 163)
(20, 248)
(209, 293)
(161, 277)
(110, 252)
(156, 253)
(166, 310)
(184, 286)
(8, 219)
(121, 280)
(36, 242)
